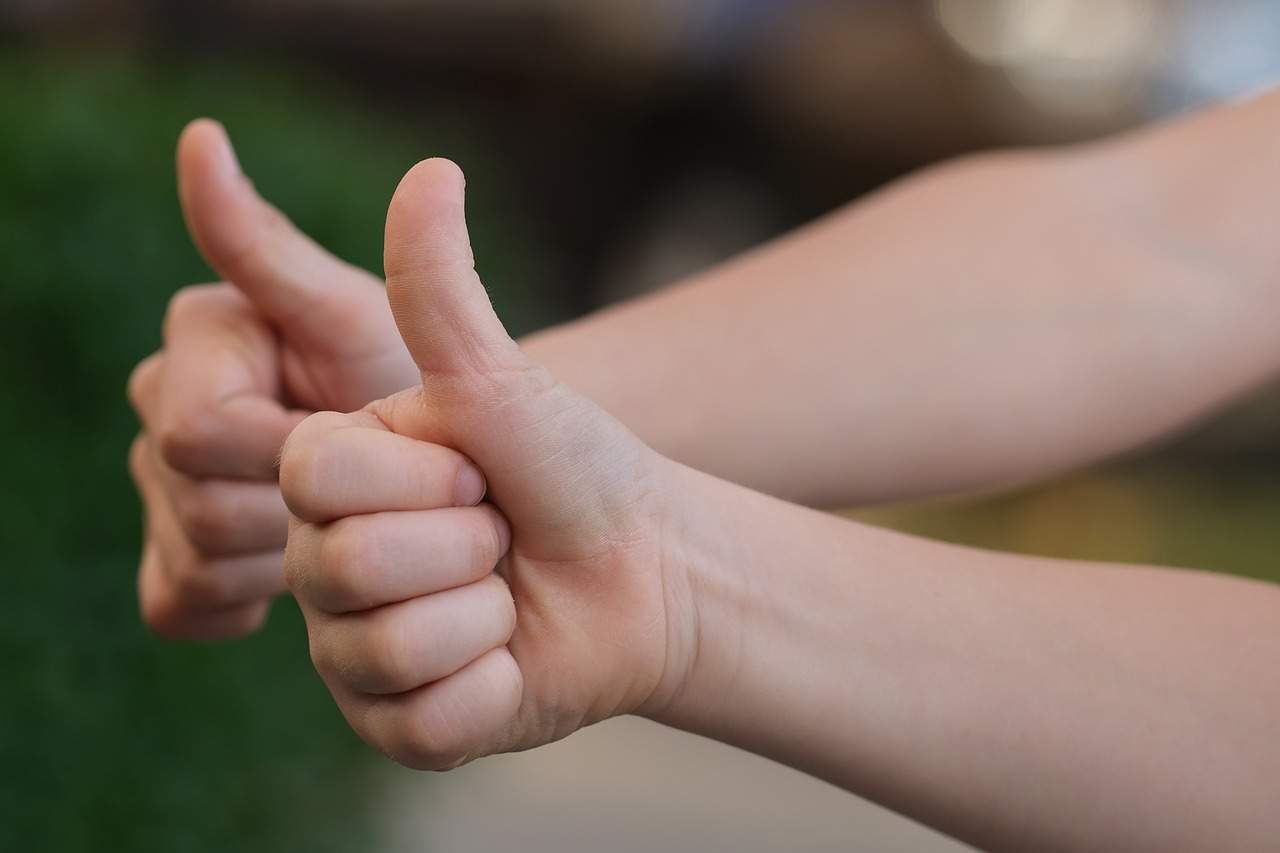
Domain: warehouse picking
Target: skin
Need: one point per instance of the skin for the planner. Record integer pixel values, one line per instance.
(1041, 310)
(1046, 354)
(599, 576)
(242, 364)
(581, 499)
(1015, 703)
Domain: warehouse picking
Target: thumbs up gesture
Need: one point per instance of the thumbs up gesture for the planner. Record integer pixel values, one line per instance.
(290, 326)
(478, 558)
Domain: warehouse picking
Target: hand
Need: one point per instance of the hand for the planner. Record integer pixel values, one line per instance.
(294, 330)
(447, 628)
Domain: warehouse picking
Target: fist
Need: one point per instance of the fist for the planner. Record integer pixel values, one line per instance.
(204, 465)
(292, 326)
(480, 559)
(400, 570)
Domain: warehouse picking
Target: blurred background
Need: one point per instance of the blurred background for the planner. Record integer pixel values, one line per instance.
(610, 147)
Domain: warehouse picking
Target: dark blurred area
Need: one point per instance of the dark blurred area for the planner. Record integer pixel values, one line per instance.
(611, 148)
(625, 124)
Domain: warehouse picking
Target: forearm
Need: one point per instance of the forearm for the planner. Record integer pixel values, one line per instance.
(1017, 703)
(989, 322)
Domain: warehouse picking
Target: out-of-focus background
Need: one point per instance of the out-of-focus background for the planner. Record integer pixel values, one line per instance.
(610, 147)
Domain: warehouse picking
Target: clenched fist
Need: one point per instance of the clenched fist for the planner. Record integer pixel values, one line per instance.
(480, 560)
(292, 330)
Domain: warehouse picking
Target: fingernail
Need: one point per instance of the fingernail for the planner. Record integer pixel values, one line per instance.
(470, 486)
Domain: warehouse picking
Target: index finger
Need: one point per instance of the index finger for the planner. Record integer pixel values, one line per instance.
(217, 411)
(339, 465)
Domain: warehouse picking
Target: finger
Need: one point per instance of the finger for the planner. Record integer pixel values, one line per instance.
(203, 583)
(192, 578)
(333, 466)
(546, 437)
(402, 646)
(219, 517)
(227, 517)
(239, 439)
(167, 613)
(445, 723)
(365, 561)
(295, 282)
(144, 384)
(223, 582)
(217, 412)
(440, 305)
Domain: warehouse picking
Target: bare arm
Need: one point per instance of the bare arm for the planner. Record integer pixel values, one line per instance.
(987, 322)
(1017, 703)
(489, 561)
(991, 321)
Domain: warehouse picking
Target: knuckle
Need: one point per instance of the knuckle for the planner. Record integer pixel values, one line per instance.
(195, 299)
(297, 463)
(386, 662)
(318, 650)
(182, 304)
(428, 743)
(301, 477)
(505, 604)
(248, 621)
(189, 302)
(159, 615)
(138, 459)
(297, 570)
(196, 585)
(186, 438)
(141, 379)
(486, 540)
(165, 621)
(317, 425)
(188, 602)
(347, 556)
(308, 454)
(208, 517)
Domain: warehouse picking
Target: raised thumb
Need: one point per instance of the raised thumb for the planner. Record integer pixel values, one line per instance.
(292, 280)
(439, 303)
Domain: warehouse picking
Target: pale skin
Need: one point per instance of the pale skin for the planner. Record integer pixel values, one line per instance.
(488, 560)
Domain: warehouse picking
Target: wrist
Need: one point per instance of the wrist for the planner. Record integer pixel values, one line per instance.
(692, 543)
(750, 589)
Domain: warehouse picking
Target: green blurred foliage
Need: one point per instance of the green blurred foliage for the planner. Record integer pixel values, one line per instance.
(110, 738)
